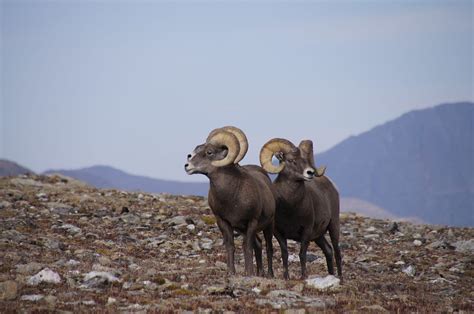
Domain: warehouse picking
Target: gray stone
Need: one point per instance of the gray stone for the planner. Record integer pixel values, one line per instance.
(28, 269)
(466, 246)
(46, 275)
(4, 204)
(59, 208)
(8, 290)
(439, 245)
(176, 221)
(371, 236)
(328, 282)
(32, 297)
(217, 289)
(13, 235)
(375, 308)
(410, 270)
(98, 279)
(283, 294)
(51, 300)
(71, 229)
(130, 219)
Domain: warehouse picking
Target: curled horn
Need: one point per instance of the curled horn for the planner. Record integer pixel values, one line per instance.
(270, 149)
(306, 147)
(220, 137)
(243, 142)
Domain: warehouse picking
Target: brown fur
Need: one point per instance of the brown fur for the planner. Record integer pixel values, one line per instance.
(305, 211)
(242, 199)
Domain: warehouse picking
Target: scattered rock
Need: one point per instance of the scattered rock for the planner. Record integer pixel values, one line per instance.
(8, 290)
(4, 204)
(374, 308)
(206, 244)
(417, 243)
(371, 236)
(410, 270)
(464, 246)
(32, 297)
(59, 208)
(440, 245)
(111, 301)
(328, 282)
(176, 221)
(71, 229)
(393, 228)
(46, 275)
(28, 269)
(98, 279)
(130, 218)
(51, 301)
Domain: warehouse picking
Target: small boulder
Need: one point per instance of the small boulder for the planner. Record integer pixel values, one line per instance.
(8, 290)
(46, 275)
(328, 282)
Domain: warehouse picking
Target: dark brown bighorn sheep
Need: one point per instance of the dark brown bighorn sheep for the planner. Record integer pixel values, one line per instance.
(307, 202)
(241, 197)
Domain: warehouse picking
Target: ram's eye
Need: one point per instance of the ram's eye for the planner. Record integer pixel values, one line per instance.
(209, 153)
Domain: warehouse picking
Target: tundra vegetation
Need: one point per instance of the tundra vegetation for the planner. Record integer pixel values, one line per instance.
(117, 251)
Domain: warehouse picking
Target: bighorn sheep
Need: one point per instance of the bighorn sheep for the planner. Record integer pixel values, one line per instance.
(241, 197)
(307, 202)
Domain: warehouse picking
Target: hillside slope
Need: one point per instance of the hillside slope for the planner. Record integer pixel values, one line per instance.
(10, 168)
(420, 164)
(113, 251)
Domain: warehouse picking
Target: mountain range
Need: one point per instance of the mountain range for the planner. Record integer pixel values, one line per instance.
(10, 168)
(109, 177)
(419, 165)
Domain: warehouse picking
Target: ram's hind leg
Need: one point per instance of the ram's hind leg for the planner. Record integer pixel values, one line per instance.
(327, 250)
(284, 253)
(334, 234)
(257, 247)
(268, 234)
(248, 245)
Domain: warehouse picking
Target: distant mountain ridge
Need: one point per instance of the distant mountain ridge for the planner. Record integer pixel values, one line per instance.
(10, 168)
(111, 178)
(420, 164)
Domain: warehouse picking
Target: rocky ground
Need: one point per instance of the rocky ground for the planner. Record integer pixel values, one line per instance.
(69, 247)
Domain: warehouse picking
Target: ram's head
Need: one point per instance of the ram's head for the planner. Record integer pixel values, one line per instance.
(224, 146)
(296, 163)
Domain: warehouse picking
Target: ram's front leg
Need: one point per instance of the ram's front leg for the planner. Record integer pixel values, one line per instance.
(302, 255)
(249, 240)
(228, 234)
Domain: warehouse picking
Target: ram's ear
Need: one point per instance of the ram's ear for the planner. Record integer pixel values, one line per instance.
(320, 171)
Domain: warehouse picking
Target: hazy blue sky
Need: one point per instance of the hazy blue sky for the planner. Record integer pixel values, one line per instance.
(137, 85)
